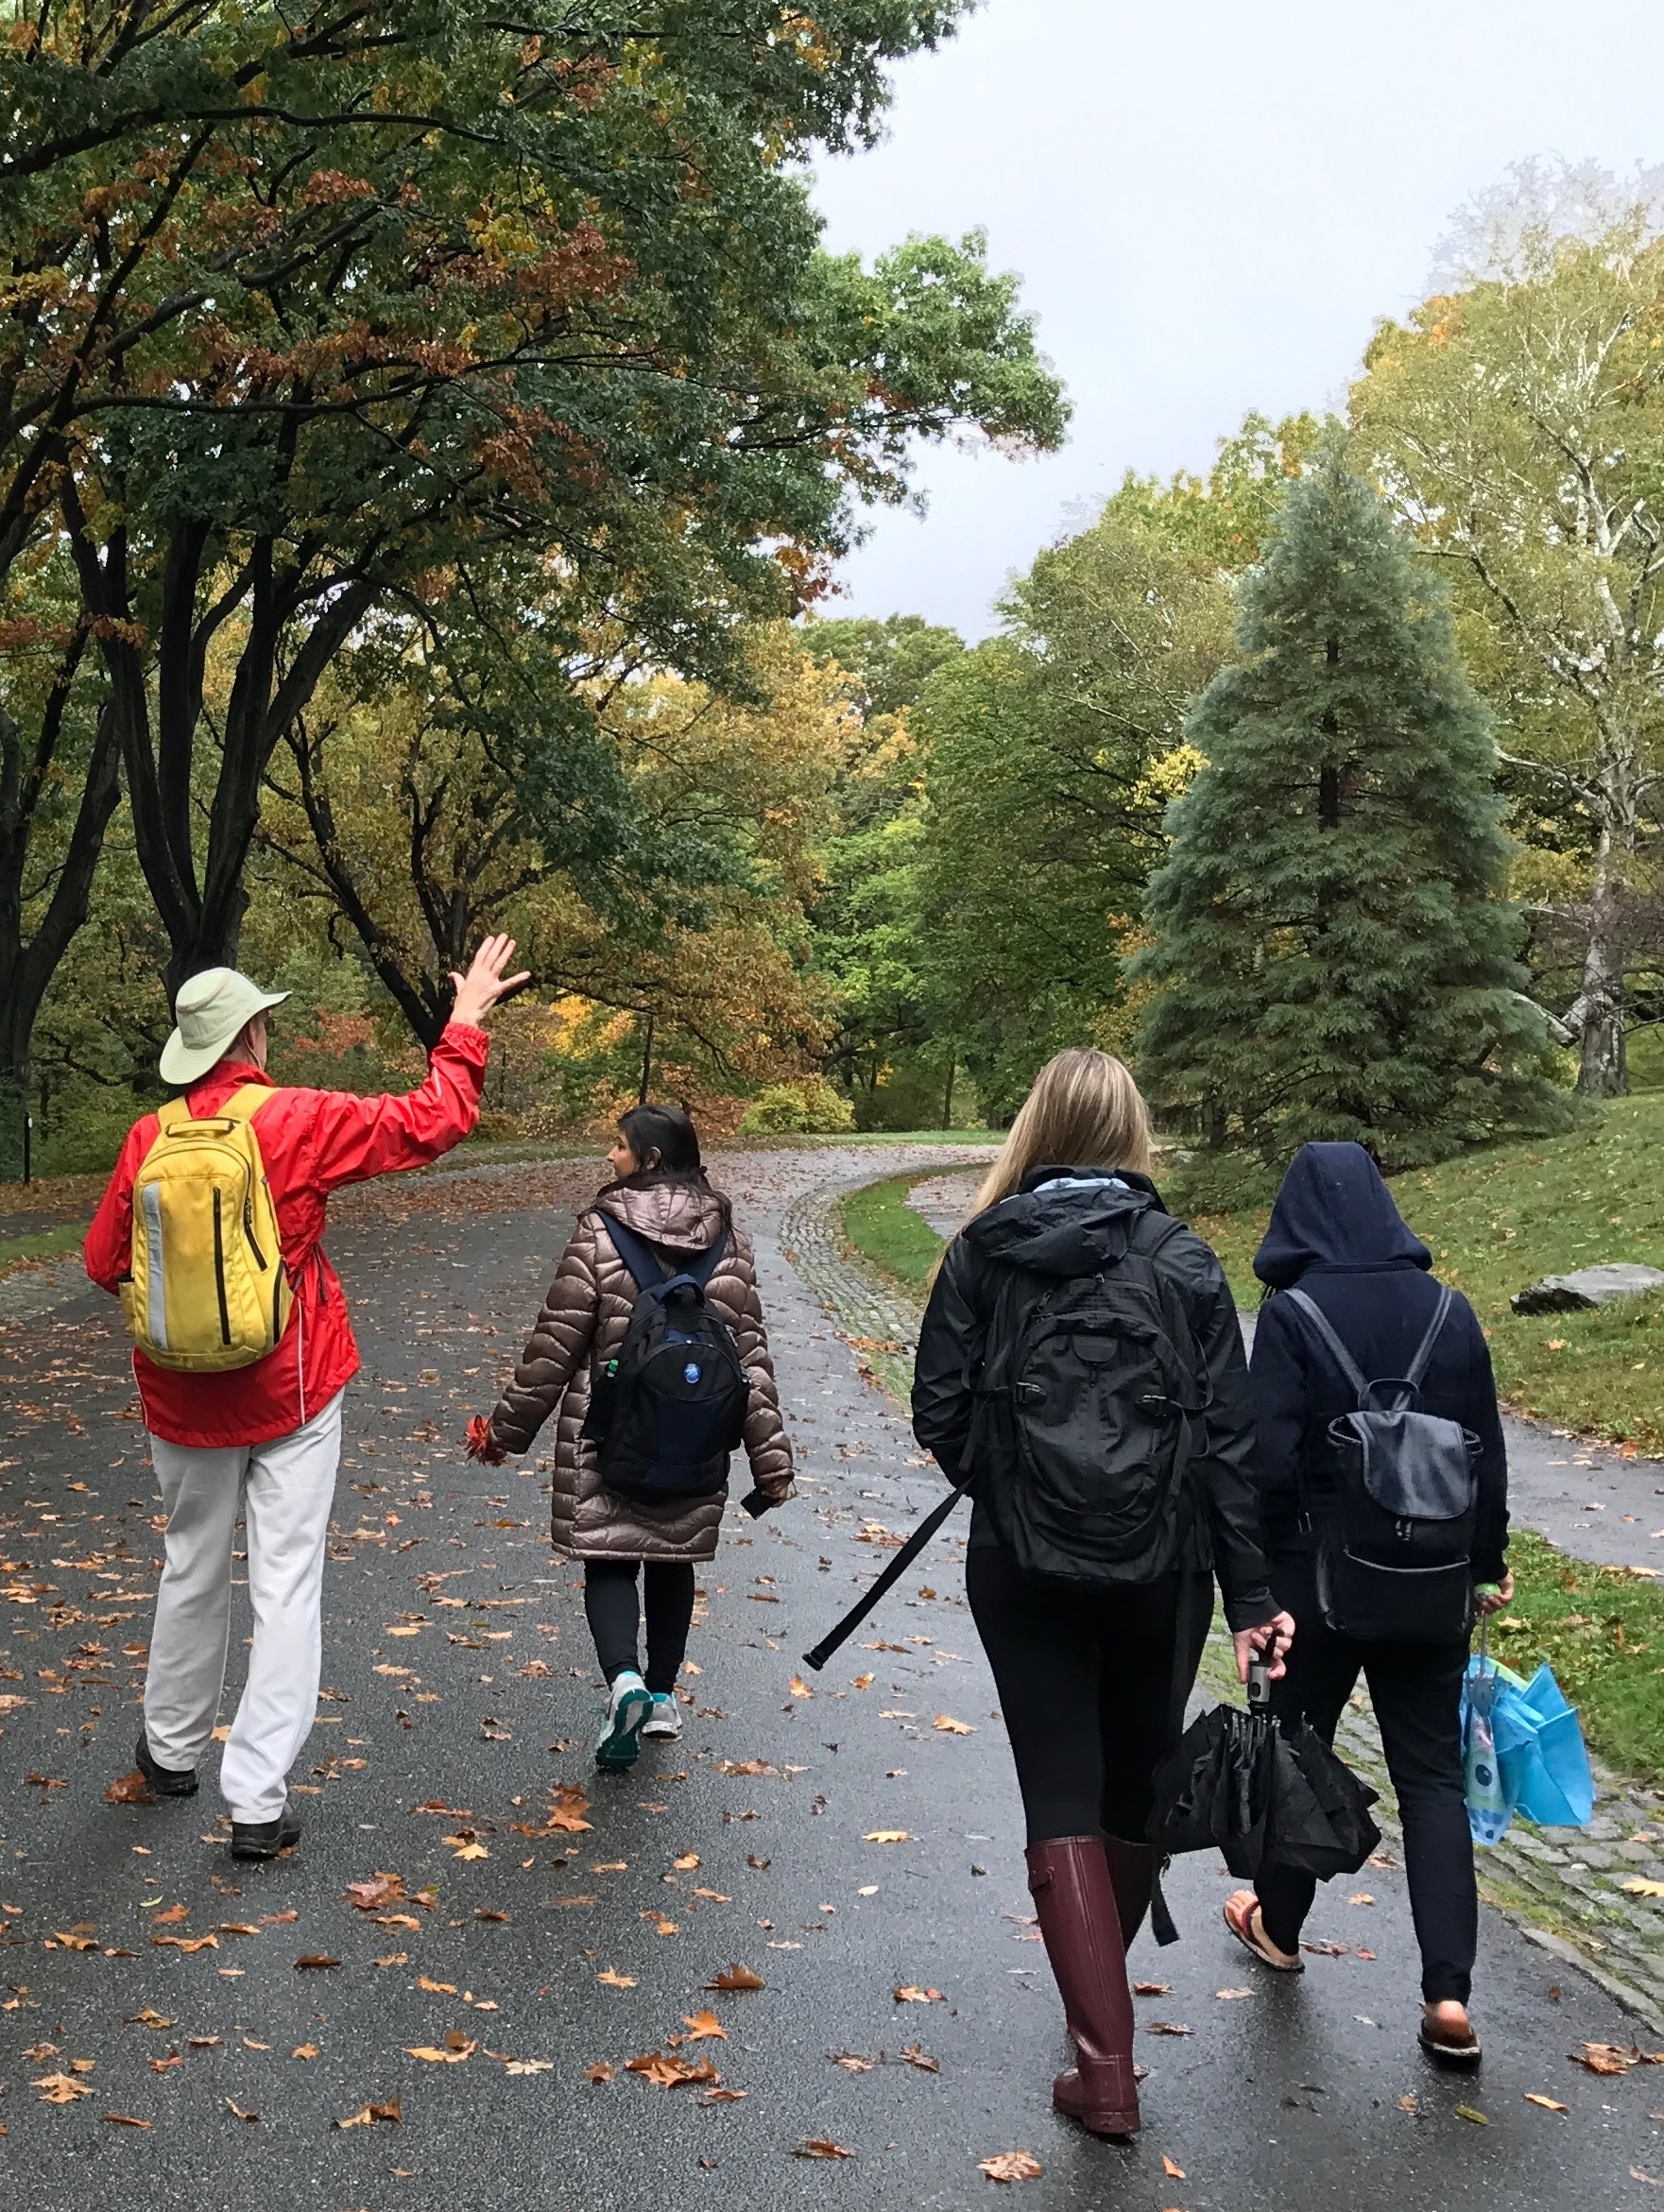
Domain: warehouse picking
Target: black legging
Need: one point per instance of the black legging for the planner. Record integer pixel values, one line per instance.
(1415, 1689)
(1090, 1689)
(610, 1602)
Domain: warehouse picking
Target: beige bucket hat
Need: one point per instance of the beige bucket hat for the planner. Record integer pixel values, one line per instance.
(211, 1009)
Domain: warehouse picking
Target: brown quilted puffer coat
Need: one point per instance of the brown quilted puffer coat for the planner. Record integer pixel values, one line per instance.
(581, 1327)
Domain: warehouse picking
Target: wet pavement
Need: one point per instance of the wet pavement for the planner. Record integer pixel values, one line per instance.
(527, 1957)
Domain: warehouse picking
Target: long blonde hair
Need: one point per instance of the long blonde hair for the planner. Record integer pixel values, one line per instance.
(1084, 1110)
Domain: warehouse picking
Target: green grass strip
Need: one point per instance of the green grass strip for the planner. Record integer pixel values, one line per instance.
(43, 1245)
(885, 1229)
(1602, 1630)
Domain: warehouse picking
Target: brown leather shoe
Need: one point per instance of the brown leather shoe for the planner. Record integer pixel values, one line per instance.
(1069, 1879)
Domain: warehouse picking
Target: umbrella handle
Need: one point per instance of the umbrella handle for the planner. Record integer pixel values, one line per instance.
(1260, 1682)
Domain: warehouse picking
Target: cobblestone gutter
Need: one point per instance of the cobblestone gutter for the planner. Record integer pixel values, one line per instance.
(1562, 1887)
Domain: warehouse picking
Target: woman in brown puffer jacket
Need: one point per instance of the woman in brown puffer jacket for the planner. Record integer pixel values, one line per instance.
(662, 1194)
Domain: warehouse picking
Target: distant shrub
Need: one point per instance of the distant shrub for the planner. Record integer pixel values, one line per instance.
(810, 1107)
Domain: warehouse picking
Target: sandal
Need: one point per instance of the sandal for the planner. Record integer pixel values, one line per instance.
(1242, 1917)
(1450, 2051)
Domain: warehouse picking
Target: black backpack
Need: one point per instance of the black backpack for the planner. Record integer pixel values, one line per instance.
(1088, 1416)
(1396, 1530)
(668, 1410)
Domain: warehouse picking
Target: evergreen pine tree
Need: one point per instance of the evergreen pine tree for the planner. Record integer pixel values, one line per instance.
(1331, 952)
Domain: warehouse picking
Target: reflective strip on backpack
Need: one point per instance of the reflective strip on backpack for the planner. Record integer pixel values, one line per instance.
(155, 1281)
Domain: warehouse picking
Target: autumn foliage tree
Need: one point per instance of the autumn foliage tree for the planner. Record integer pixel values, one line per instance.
(315, 311)
(1515, 424)
(655, 864)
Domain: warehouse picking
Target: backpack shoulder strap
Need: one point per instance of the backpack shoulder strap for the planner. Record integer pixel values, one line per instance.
(1348, 1366)
(703, 1266)
(1440, 1316)
(636, 1253)
(173, 1114)
(244, 1103)
(1152, 1231)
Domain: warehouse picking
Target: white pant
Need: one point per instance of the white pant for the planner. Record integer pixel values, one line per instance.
(286, 1489)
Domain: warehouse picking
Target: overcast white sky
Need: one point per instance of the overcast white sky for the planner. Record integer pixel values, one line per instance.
(1210, 204)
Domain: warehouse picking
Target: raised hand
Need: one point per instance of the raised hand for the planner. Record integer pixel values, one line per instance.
(478, 991)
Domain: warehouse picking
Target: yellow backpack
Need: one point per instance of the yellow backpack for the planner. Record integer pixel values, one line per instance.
(207, 1289)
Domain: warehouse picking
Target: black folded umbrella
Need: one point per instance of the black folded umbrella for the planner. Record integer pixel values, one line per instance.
(1262, 1795)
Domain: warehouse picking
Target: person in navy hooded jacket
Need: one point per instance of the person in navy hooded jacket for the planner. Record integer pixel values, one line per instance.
(1336, 1232)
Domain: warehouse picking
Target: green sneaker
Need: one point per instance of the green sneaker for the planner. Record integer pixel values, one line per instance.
(630, 1703)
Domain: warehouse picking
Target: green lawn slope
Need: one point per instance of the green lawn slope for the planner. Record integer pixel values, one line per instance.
(1496, 1220)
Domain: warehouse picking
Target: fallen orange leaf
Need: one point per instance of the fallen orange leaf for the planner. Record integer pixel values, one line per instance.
(456, 2048)
(701, 2025)
(369, 2114)
(1011, 2166)
(670, 2072)
(381, 1889)
(820, 2147)
(737, 1977)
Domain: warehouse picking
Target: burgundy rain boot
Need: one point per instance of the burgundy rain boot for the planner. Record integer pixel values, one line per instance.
(1069, 1879)
(1132, 1870)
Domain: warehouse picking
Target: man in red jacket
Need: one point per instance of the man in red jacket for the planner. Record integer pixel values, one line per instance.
(266, 1438)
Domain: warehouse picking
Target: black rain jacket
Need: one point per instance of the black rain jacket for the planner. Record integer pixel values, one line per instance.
(1336, 1232)
(1065, 1222)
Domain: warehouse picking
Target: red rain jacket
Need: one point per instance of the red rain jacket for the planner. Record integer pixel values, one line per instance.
(312, 1142)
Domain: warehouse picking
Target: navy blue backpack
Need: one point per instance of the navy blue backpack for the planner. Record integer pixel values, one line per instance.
(666, 1414)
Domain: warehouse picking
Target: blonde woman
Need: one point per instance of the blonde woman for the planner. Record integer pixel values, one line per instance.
(1081, 1359)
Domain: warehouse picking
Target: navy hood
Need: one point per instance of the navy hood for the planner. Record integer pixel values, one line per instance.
(1064, 1221)
(1334, 1211)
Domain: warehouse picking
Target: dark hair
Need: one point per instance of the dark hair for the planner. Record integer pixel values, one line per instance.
(671, 1134)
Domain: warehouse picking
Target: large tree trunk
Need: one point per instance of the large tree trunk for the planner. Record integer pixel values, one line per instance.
(1598, 1017)
(1603, 1070)
(202, 909)
(28, 965)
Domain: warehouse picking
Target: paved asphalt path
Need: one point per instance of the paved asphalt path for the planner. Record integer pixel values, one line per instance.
(546, 1955)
